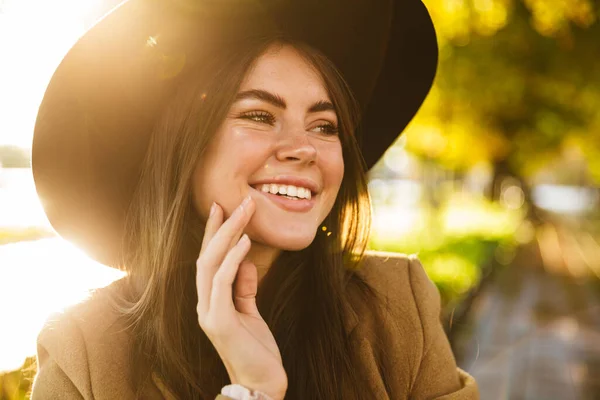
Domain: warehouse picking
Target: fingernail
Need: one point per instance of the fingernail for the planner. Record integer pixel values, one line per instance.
(213, 208)
(242, 207)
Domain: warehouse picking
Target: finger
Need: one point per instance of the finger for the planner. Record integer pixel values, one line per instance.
(221, 301)
(230, 231)
(203, 276)
(245, 288)
(249, 210)
(216, 249)
(215, 220)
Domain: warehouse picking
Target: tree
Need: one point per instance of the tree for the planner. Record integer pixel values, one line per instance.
(516, 81)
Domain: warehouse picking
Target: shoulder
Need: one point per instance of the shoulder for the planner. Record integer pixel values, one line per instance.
(87, 346)
(93, 321)
(391, 331)
(379, 267)
(404, 296)
(409, 300)
(401, 280)
(406, 335)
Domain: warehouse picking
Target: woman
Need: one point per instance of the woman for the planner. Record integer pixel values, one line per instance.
(218, 165)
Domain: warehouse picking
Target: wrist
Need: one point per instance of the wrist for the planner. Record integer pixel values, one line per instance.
(275, 388)
(238, 392)
(274, 392)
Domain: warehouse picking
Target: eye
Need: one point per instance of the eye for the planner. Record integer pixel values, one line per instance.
(327, 128)
(259, 116)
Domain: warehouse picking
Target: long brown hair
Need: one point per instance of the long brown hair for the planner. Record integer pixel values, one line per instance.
(304, 295)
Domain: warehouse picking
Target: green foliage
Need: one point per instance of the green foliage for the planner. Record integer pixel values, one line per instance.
(516, 78)
(457, 242)
(455, 265)
(16, 385)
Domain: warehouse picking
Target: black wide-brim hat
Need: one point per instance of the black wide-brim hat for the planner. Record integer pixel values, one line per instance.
(95, 120)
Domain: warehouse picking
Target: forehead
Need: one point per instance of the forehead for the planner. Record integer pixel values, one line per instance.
(281, 69)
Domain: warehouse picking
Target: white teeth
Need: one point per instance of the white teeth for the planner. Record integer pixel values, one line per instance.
(304, 193)
(289, 190)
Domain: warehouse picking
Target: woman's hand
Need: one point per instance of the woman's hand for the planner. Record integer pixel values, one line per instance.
(227, 312)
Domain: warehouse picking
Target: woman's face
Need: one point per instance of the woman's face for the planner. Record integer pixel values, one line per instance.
(280, 135)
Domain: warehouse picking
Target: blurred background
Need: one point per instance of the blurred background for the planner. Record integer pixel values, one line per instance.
(494, 185)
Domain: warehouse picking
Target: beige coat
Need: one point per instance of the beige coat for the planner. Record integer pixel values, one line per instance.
(82, 353)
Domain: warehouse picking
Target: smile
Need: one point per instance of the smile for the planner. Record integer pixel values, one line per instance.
(289, 191)
(285, 200)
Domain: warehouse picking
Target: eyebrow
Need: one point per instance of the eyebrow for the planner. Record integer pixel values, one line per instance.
(277, 101)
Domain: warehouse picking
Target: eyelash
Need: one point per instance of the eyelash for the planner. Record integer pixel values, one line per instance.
(268, 118)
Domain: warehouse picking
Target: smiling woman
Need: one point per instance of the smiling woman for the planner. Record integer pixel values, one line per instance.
(212, 151)
(276, 101)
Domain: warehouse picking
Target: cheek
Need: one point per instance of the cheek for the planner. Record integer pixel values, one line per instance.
(333, 166)
(205, 180)
(222, 174)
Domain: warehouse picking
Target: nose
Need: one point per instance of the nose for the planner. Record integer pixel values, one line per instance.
(296, 146)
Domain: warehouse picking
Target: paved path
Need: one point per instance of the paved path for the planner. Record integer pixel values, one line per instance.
(533, 335)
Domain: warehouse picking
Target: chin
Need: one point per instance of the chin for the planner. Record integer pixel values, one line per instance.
(291, 243)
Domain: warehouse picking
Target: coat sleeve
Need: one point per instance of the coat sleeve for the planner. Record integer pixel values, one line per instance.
(438, 376)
